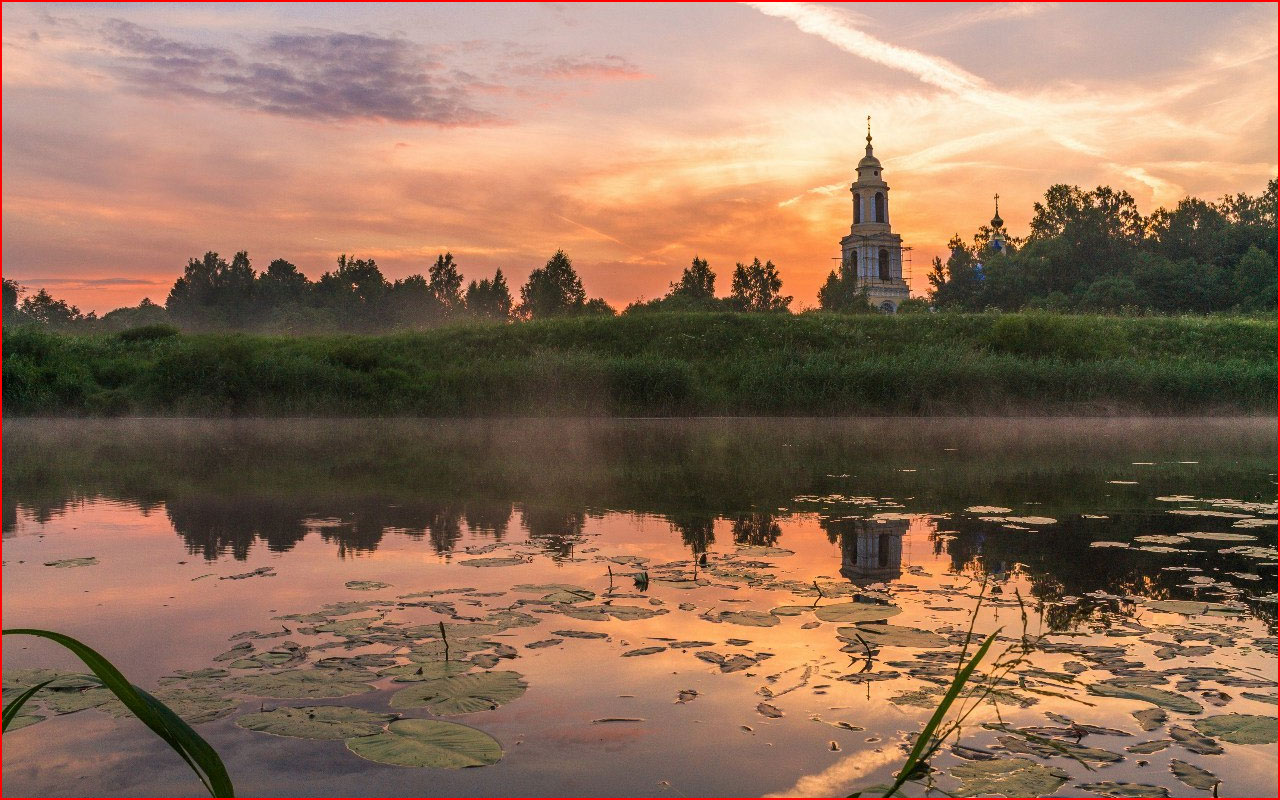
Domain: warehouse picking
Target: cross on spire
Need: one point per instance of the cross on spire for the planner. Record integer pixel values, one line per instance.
(868, 129)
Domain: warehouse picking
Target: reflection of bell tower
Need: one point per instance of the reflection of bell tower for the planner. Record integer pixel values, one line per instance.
(871, 549)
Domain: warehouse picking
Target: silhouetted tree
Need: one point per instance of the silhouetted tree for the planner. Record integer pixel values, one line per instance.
(553, 290)
(213, 293)
(446, 283)
(11, 293)
(697, 282)
(489, 299)
(43, 309)
(842, 293)
(757, 287)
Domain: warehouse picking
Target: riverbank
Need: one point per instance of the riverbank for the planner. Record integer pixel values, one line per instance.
(665, 364)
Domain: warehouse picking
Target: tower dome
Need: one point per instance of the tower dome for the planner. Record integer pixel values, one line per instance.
(996, 222)
(869, 160)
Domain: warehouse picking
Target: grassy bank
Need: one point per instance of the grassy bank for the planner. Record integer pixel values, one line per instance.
(665, 364)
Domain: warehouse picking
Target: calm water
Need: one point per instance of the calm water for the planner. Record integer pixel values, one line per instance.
(512, 531)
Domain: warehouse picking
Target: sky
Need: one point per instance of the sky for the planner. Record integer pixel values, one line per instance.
(633, 137)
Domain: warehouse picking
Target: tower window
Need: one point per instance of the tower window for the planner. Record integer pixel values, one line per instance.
(884, 265)
(879, 206)
(857, 209)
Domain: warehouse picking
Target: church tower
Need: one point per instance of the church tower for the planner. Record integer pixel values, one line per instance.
(872, 251)
(998, 243)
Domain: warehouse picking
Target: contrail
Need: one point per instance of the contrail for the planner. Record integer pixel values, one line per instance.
(593, 230)
(831, 25)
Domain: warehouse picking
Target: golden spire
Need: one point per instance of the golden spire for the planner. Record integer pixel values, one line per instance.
(868, 130)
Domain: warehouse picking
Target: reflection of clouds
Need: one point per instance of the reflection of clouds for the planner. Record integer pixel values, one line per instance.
(837, 779)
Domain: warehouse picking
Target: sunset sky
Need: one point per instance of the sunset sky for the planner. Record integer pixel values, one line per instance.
(633, 136)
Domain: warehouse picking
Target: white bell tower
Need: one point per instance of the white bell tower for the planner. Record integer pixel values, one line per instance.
(872, 251)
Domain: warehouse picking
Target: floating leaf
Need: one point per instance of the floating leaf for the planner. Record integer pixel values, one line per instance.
(428, 743)
(88, 561)
(1147, 748)
(56, 679)
(1124, 789)
(366, 586)
(1008, 777)
(753, 619)
(1195, 742)
(856, 612)
(1150, 718)
(316, 722)
(427, 670)
(790, 611)
(876, 633)
(1239, 728)
(69, 702)
(541, 643)
(301, 684)
(772, 712)
(462, 694)
(1191, 607)
(644, 651)
(1193, 776)
(492, 561)
(582, 634)
(1149, 694)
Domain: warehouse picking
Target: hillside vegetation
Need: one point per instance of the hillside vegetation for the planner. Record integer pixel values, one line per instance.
(664, 364)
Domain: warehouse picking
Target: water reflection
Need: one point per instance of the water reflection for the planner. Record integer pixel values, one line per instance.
(353, 485)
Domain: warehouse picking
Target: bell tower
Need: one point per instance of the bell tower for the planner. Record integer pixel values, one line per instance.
(872, 252)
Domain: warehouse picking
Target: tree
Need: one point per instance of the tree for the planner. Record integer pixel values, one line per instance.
(697, 282)
(446, 283)
(756, 287)
(958, 283)
(213, 293)
(412, 303)
(552, 290)
(1255, 280)
(489, 299)
(43, 309)
(842, 293)
(281, 284)
(12, 291)
(144, 313)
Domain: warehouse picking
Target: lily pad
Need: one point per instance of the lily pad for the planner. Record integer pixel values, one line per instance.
(1124, 789)
(367, 586)
(492, 561)
(644, 651)
(428, 743)
(766, 710)
(1195, 741)
(753, 619)
(1194, 776)
(1149, 694)
(856, 612)
(1008, 777)
(24, 721)
(426, 670)
(316, 722)
(1151, 718)
(879, 633)
(301, 684)
(1239, 728)
(1190, 607)
(63, 563)
(462, 694)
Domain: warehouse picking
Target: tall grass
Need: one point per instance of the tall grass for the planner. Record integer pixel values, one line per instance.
(666, 364)
(188, 744)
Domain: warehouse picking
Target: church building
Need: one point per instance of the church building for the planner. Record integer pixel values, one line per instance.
(872, 251)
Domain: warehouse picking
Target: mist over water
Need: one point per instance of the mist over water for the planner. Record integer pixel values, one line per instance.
(1086, 527)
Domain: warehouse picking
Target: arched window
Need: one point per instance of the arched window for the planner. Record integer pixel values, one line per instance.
(880, 207)
(857, 209)
(884, 265)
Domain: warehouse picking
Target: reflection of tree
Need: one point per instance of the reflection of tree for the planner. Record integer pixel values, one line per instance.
(756, 530)
(212, 527)
(697, 531)
(488, 518)
(556, 530)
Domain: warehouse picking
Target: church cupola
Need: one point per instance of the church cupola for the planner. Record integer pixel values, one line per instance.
(998, 243)
(870, 192)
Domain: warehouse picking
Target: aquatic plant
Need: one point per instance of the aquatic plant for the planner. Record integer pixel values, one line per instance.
(199, 754)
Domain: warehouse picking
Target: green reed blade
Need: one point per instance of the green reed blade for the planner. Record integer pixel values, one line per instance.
(11, 710)
(188, 744)
(957, 685)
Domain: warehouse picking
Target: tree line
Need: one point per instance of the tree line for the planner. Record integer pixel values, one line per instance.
(1086, 251)
(1092, 251)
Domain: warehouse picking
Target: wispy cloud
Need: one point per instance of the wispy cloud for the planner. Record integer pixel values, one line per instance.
(324, 76)
(586, 67)
(972, 15)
